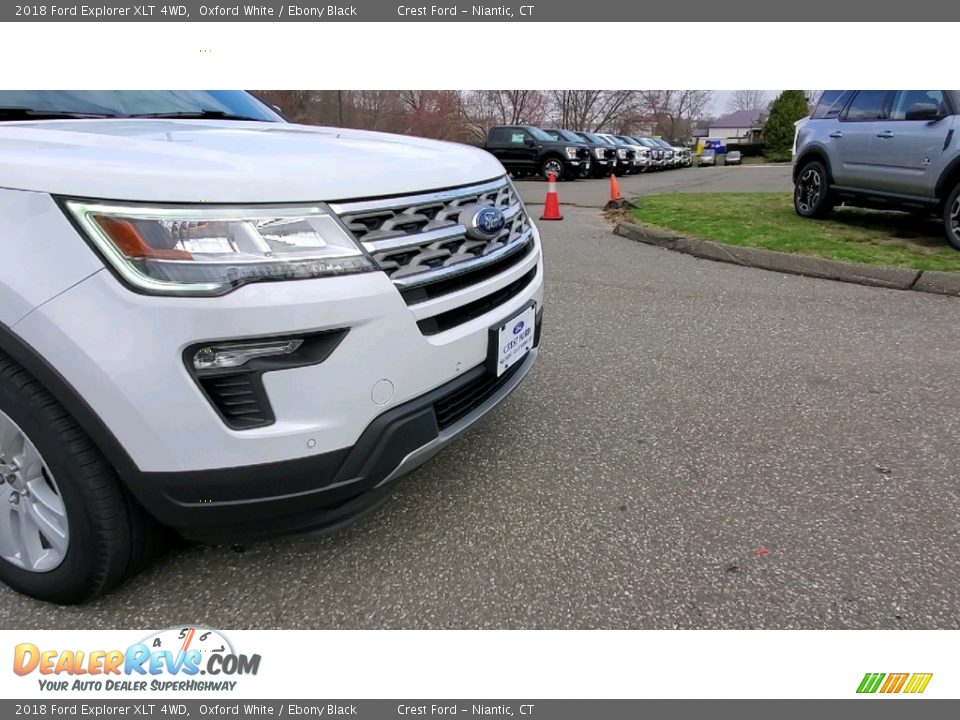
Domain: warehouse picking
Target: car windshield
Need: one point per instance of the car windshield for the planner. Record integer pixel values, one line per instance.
(567, 135)
(224, 104)
(707, 153)
(595, 139)
(540, 134)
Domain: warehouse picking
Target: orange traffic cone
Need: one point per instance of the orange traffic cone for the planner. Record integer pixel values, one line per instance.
(615, 195)
(616, 199)
(551, 208)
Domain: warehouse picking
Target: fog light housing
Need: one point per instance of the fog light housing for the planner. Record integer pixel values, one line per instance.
(233, 355)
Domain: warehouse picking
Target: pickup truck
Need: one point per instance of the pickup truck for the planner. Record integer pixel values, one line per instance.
(221, 324)
(626, 156)
(528, 150)
(603, 158)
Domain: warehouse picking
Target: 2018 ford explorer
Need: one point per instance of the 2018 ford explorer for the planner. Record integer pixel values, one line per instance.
(881, 148)
(218, 322)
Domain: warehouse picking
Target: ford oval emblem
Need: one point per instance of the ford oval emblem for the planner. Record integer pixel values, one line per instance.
(518, 328)
(485, 223)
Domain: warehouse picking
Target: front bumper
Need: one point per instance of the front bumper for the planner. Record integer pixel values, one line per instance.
(602, 167)
(328, 491)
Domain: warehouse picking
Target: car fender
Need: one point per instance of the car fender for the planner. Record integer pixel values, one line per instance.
(948, 179)
(41, 254)
(31, 360)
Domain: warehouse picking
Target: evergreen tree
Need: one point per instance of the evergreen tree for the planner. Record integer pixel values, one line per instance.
(790, 106)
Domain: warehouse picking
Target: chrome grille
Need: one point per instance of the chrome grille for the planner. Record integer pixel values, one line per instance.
(419, 239)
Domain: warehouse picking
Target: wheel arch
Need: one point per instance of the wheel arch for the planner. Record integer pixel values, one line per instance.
(63, 392)
(814, 153)
(948, 180)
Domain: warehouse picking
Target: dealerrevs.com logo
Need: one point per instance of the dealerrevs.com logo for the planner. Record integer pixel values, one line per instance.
(178, 659)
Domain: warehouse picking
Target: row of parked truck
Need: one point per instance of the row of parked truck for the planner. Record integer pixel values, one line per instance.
(570, 154)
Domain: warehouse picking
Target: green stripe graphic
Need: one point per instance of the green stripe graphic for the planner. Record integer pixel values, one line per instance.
(871, 682)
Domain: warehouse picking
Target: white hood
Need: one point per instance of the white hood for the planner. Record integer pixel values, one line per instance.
(228, 162)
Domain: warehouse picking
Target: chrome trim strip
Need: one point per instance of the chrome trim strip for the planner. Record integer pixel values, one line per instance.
(350, 208)
(447, 233)
(430, 276)
(525, 262)
(511, 211)
(421, 455)
(425, 238)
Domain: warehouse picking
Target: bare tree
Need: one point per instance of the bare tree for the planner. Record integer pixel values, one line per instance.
(516, 106)
(482, 108)
(377, 110)
(748, 100)
(592, 110)
(297, 105)
(675, 110)
(433, 114)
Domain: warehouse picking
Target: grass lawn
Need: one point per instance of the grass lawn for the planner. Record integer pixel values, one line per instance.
(767, 220)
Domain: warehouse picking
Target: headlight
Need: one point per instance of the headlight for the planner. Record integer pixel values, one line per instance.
(621, 154)
(170, 250)
(571, 153)
(598, 153)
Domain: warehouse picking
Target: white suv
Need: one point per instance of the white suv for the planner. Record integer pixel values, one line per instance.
(222, 323)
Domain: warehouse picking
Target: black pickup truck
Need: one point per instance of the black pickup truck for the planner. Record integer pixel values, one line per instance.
(603, 157)
(528, 150)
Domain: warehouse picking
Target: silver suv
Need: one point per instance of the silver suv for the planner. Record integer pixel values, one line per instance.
(888, 149)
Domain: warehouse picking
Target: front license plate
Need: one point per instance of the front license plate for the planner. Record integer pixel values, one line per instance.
(513, 339)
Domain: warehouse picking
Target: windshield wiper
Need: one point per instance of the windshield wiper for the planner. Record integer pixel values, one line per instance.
(197, 115)
(28, 113)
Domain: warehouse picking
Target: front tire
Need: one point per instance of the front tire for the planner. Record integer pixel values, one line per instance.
(555, 166)
(951, 218)
(811, 192)
(68, 530)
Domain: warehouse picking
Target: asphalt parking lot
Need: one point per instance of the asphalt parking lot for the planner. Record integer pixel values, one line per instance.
(701, 446)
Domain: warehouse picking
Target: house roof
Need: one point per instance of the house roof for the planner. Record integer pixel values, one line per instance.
(739, 119)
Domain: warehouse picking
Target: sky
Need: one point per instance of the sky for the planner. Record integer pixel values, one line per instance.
(720, 100)
(722, 97)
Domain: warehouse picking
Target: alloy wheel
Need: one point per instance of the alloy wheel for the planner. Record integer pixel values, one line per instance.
(34, 534)
(809, 188)
(553, 166)
(955, 219)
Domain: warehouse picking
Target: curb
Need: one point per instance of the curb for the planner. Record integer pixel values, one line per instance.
(930, 281)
